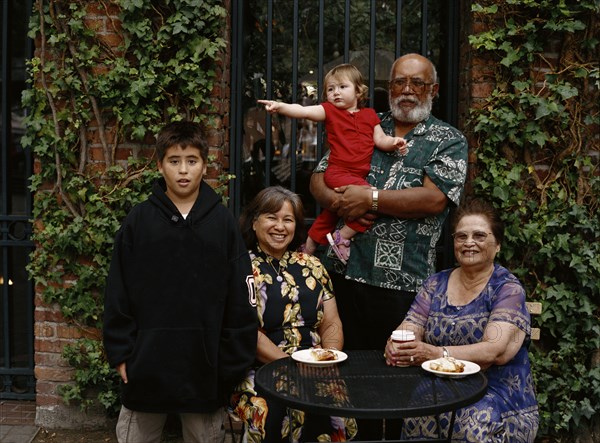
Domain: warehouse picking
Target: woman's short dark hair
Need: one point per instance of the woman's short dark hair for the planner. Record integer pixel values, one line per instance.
(478, 206)
(269, 201)
(183, 133)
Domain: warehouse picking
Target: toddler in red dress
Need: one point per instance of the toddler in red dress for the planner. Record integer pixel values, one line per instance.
(352, 133)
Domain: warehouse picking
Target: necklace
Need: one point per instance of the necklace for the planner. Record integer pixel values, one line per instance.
(278, 271)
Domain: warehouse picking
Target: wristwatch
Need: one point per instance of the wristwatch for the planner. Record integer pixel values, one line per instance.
(375, 202)
(445, 352)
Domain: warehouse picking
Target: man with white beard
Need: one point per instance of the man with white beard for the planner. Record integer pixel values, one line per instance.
(407, 204)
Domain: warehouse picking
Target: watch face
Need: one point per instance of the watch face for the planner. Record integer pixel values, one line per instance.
(375, 202)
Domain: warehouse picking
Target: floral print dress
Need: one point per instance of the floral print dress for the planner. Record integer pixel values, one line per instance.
(291, 293)
(509, 411)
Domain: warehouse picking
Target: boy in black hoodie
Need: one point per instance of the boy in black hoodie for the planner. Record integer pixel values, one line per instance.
(180, 323)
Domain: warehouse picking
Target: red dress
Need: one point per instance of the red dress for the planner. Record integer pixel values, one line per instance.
(350, 138)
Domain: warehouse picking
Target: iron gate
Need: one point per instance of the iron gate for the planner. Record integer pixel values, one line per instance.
(281, 50)
(16, 296)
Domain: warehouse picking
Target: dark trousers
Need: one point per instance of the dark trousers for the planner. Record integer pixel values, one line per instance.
(369, 314)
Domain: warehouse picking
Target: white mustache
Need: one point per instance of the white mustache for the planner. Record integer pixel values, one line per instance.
(398, 100)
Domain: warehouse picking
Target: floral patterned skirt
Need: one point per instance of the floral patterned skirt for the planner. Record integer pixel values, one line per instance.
(274, 423)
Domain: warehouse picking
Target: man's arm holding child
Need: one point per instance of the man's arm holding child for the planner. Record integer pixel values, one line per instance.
(353, 202)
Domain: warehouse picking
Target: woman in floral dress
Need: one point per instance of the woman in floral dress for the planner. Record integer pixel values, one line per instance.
(476, 312)
(296, 309)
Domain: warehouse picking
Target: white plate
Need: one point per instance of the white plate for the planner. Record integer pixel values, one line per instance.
(470, 368)
(306, 357)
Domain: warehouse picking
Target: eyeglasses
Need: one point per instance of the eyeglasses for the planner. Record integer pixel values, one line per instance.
(414, 84)
(477, 236)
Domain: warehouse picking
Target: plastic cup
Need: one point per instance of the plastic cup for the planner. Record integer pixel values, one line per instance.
(402, 336)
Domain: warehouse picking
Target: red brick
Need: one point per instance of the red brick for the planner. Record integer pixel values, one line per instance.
(46, 388)
(103, 8)
(481, 90)
(48, 400)
(50, 359)
(95, 23)
(55, 346)
(96, 153)
(44, 330)
(53, 374)
(43, 314)
(478, 27)
(111, 39)
(64, 331)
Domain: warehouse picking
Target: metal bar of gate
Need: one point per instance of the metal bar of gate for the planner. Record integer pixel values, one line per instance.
(269, 124)
(237, 78)
(293, 151)
(372, 46)
(398, 28)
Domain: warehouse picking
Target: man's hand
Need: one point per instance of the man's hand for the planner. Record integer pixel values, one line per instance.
(355, 201)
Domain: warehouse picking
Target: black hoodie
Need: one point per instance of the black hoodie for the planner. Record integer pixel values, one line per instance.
(179, 305)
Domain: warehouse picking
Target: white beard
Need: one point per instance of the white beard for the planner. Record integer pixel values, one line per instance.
(415, 115)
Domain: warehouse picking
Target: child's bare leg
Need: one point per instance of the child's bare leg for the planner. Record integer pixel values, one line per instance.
(347, 233)
(310, 246)
(340, 243)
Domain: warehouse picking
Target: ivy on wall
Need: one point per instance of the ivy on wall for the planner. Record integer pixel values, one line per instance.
(537, 160)
(106, 76)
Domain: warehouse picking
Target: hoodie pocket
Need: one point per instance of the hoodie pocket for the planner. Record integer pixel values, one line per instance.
(171, 364)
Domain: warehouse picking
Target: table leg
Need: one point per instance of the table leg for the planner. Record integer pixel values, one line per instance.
(451, 428)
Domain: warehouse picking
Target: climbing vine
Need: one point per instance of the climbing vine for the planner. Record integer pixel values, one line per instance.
(537, 159)
(106, 75)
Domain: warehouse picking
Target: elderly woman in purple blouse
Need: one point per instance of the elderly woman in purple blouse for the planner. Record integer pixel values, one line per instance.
(475, 312)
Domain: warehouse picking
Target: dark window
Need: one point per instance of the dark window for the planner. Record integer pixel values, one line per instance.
(16, 289)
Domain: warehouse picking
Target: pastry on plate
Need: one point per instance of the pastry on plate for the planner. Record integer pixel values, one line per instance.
(323, 354)
(447, 364)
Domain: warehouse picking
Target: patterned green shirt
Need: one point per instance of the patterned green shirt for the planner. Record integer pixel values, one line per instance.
(398, 253)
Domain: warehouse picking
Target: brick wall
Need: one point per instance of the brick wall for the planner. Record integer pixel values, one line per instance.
(52, 333)
(476, 81)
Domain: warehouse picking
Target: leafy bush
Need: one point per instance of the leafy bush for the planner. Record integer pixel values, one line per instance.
(92, 374)
(537, 134)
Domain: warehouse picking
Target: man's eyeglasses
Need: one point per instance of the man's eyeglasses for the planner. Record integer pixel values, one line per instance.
(414, 84)
(477, 236)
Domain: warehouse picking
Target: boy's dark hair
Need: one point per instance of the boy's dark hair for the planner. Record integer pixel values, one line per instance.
(185, 134)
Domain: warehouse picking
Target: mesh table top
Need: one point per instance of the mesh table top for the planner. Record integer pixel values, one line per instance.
(363, 386)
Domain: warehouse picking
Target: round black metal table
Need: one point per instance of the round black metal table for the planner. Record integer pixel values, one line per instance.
(363, 386)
